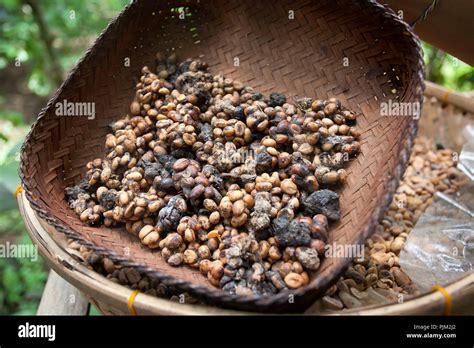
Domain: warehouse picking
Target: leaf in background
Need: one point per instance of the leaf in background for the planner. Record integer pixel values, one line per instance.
(27, 308)
(93, 311)
(446, 70)
(467, 79)
(39, 83)
(14, 117)
(10, 4)
(12, 284)
(9, 150)
(7, 200)
(9, 176)
(3, 62)
(9, 180)
(11, 222)
(14, 150)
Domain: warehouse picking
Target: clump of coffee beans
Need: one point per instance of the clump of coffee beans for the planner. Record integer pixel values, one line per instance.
(221, 178)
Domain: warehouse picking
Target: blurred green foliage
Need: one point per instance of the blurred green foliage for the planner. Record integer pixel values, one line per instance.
(70, 28)
(447, 70)
(21, 279)
(21, 282)
(72, 25)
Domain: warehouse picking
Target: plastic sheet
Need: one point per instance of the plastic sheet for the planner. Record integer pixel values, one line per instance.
(440, 248)
(466, 158)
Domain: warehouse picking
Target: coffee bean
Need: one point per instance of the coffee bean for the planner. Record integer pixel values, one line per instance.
(288, 187)
(401, 277)
(132, 275)
(294, 280)
(176, 259)
(332, 303)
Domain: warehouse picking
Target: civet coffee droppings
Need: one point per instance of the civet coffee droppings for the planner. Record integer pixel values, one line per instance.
(221, 178)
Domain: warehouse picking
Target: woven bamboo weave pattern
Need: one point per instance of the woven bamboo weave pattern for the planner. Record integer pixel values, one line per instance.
(257, 43)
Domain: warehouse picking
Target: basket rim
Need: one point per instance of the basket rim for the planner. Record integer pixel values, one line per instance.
(275, 302)
(63, 263)
(448, 96)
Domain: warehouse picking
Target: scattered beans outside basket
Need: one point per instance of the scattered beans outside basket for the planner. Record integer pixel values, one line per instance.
(430, 170)
(222, 179)
(378, 277)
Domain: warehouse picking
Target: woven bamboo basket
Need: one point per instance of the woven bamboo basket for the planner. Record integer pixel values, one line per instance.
(441, 106)
(303, 56)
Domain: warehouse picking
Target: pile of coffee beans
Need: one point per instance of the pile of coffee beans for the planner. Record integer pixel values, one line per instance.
(221, 178)
(126, 276)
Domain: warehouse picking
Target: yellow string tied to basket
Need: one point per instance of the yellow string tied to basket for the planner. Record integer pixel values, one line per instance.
(131, 299)
(18, 190)
(447, 298)
(445, 96)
